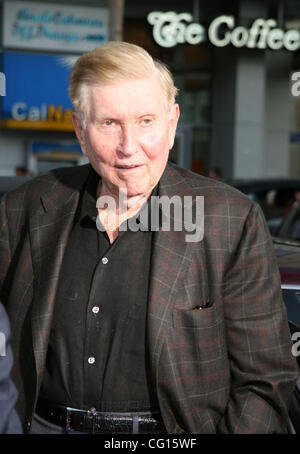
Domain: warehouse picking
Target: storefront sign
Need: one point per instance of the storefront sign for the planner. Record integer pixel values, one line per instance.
(37, 93)
(170, 28)
(44, 155)
(44, 26)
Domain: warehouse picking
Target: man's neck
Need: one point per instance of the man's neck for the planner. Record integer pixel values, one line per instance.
(114, 209)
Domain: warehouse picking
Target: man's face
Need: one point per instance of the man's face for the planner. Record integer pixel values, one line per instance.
(129, 132)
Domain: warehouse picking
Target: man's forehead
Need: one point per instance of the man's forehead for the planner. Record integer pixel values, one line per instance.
(129, 85)
(141, 96)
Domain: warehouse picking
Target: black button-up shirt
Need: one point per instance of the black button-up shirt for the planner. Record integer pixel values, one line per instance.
(97, 354)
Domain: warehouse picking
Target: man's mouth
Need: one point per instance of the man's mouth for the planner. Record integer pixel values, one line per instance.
(128, 167)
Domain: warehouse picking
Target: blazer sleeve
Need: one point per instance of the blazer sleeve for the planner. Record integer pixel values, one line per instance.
(9, 420)
(5, 252)
(263, 370)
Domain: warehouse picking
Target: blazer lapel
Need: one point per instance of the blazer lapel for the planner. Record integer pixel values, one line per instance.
(49, 231)
(171, 259)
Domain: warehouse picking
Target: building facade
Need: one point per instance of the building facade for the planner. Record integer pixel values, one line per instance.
(236, 65)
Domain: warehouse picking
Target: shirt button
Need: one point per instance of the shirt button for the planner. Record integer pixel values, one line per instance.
(105, 260)
(91, 360)
(95, 309)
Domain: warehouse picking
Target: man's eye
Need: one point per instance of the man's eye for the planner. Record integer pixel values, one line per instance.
(108, 122)
(146, 121)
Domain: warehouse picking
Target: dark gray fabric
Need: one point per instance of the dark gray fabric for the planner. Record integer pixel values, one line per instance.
(227, 368)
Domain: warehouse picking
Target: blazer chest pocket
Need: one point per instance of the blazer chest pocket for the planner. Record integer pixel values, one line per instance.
(199, 336)
(197, 317)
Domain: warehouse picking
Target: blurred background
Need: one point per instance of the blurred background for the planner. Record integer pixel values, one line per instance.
(233, 62)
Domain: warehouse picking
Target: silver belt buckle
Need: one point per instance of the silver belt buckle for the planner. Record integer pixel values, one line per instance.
(91, 414)
(68, 418)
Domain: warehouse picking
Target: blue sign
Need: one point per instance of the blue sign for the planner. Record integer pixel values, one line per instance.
(45, 26)
(50, 147)
(37, 91)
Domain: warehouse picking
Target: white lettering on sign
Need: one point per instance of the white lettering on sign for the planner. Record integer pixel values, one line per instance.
(21, 111)
(260, 35)
(51, 26)
(170, 28)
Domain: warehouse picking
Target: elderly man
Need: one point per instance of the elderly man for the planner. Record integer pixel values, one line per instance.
(140, 330)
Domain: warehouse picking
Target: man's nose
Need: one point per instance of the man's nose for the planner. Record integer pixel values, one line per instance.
(128, 139)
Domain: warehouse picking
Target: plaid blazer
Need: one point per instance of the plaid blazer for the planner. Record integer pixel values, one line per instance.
(226, 368)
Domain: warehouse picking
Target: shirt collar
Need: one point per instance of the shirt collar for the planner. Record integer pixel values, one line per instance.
(88, 202)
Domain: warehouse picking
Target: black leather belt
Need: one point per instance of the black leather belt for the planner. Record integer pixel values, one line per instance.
(92, 421)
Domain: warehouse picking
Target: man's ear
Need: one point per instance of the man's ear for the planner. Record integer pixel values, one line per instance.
(174, 117)
(78, 128)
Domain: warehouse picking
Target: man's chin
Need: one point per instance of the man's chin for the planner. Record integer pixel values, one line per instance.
(135, 188)
(131, 188)
(137, 192)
